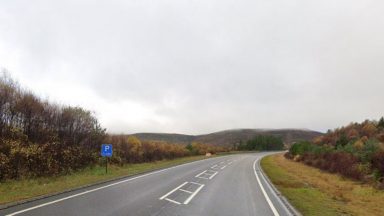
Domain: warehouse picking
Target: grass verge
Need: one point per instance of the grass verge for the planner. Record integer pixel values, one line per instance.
(16, 190)
(314, 192)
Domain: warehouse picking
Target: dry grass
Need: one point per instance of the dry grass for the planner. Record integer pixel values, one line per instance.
(314, 192)
(11, 191)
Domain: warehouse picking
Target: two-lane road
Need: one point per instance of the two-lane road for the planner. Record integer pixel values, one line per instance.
(230, 185)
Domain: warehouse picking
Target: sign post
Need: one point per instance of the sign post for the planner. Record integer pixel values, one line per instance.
(106, 151)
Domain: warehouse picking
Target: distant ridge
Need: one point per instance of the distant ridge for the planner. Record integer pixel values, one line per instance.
(232, 136)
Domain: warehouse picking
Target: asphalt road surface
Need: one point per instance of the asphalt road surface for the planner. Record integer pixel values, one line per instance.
(230, 185)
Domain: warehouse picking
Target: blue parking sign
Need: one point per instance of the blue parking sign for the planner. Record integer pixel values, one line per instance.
(106, 150)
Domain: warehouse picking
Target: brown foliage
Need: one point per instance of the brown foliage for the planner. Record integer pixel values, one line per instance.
(39, 138)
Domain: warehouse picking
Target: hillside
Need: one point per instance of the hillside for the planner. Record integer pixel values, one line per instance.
(171, 138)
(231, 137)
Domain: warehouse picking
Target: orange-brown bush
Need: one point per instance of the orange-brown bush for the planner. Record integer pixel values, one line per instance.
(39, 138)
(355, 151)
(129, 149)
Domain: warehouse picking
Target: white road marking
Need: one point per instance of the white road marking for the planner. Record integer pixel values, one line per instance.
(197, 176)
(96, 189)
(223, 167)
(263, 190)
(211, 177)
(193, 195)
(173, 201)
(230, 163)
(202, 177)
(187, 191)
(169, 193)
(213, 167)
(195, 183)
(209, 173)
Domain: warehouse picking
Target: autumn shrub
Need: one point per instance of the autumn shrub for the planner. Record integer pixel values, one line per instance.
(378, 162)
(129, 149)
(355, 151)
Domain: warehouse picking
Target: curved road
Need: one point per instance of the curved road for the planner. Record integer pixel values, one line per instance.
(229, 185)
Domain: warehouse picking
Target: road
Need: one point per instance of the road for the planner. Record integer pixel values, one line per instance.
(229, 185)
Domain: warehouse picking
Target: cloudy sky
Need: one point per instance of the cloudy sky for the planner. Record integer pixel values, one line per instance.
(193, 66)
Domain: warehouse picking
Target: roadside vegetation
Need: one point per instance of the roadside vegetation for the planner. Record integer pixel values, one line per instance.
(355, 151)
(42, 139)
(315, 192)
(16, 190)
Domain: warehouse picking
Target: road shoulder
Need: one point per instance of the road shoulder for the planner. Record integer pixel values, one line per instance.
(314, 192)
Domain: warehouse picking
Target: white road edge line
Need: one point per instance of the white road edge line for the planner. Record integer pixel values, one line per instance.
(193, 195)
(170, 192)
(213, 175)
(263, 190)
(96, 189)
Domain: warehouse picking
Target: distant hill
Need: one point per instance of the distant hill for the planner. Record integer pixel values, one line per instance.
(230, 137)
(171, 138)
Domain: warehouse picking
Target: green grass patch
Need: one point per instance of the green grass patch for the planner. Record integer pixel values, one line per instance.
(16, 190)
(306, 199)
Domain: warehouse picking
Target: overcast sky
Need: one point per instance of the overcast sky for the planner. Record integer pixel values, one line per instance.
(198, 66)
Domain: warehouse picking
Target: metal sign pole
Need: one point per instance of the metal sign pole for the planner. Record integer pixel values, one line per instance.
(106, 165)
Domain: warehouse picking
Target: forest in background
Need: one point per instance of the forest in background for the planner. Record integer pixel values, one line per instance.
(262, 143)
(355, 151)
(40, 138)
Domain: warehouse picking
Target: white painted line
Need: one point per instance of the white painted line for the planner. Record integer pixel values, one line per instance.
(193, 195)
(202, 177)
(187, 191)
(210, 172)
(222, 162)
(263, 190)
(195, 183)
(213, 167)
(230, 163)
(223, 167)
(173, 201)
(213, 175)
(99, 188)
(197, 176)
(169, 193)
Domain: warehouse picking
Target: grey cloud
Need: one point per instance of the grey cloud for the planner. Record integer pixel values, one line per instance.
(201, 66)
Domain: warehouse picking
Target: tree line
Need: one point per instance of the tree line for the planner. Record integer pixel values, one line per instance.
(262, 143)
(129, 149)
(39, 138)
